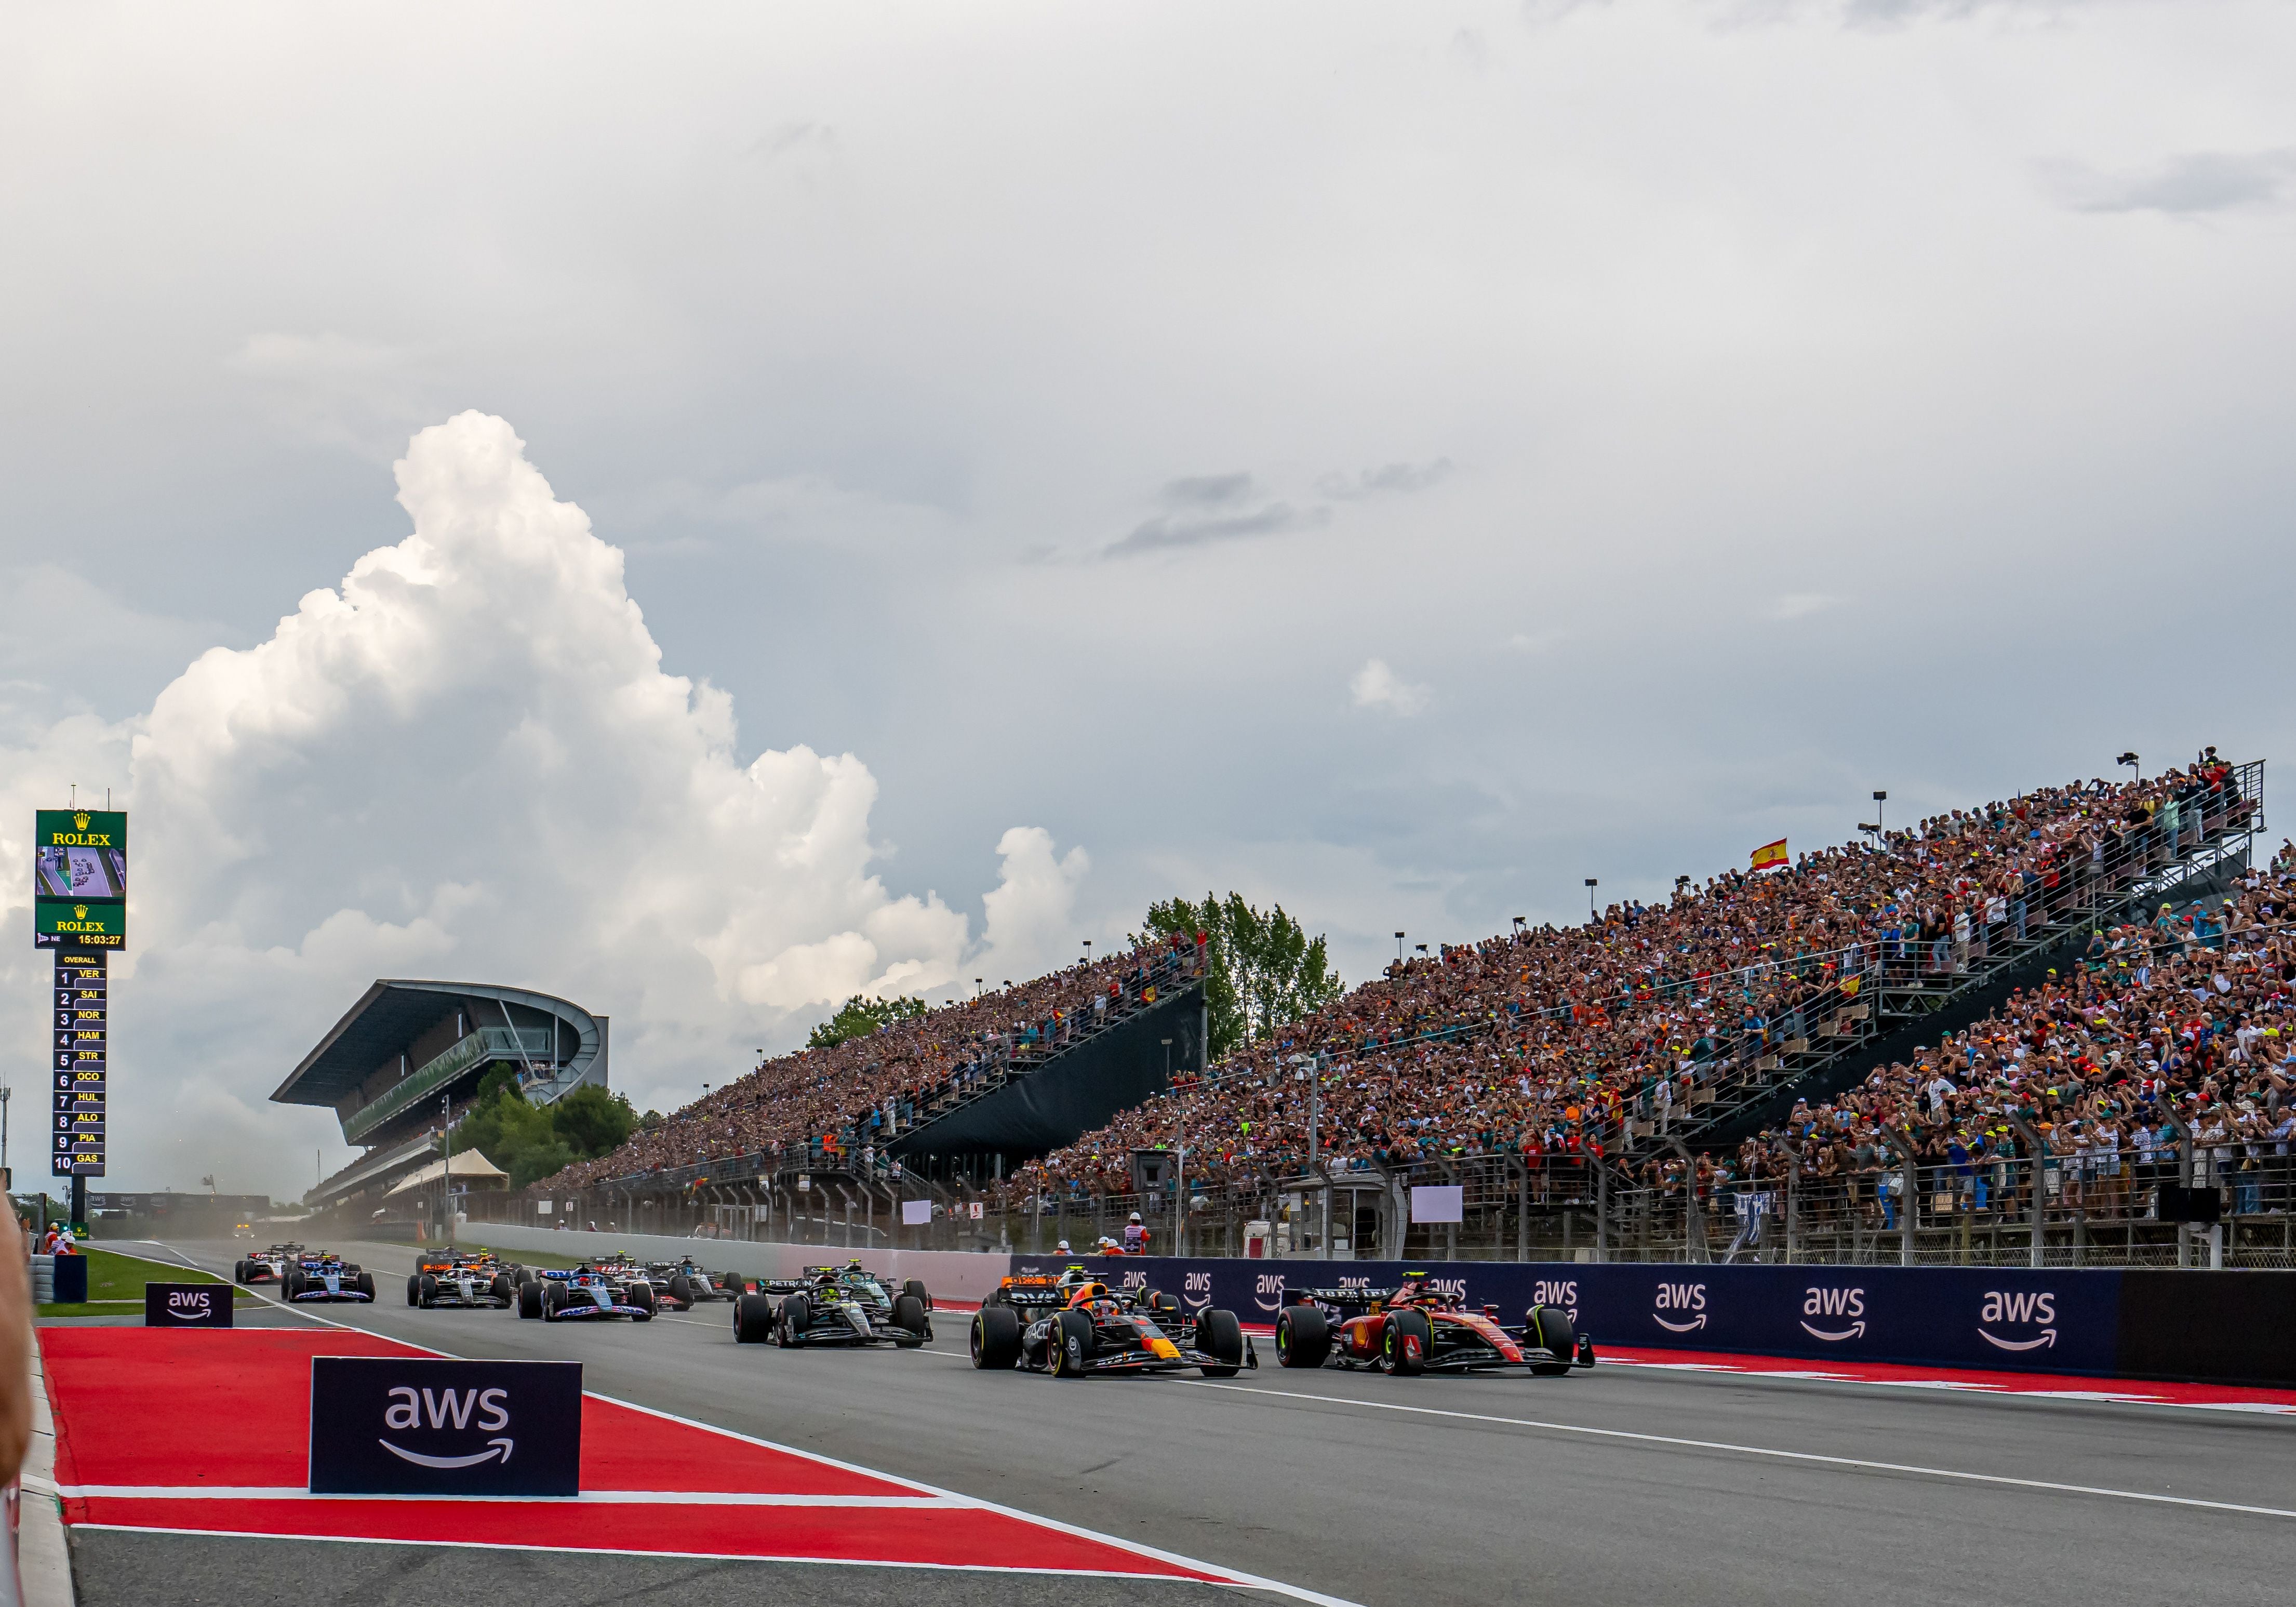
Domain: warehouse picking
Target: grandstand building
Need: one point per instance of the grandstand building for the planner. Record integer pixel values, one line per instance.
(408, 1050)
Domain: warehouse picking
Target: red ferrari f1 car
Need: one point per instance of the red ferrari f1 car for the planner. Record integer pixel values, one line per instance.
(1416, 1327)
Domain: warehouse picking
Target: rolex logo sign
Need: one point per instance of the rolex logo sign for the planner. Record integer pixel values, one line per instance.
(79, 912)
(79, 821)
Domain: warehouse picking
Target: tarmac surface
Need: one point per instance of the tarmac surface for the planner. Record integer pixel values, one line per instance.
(1622, 1485)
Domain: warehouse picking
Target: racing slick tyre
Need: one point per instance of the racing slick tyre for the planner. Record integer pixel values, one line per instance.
(996, 1337)
(366, 1285)
(909, 1313)
(239, 1272)
(796, 1317)
(291, 1284)
(553, 1298)
(1303, 1338)
(501, 1289)
(916, 1286)
(530, 1299)
(414, 1289)
(426, 1291)
(681, 1289)
(1219, 1334)
(1072, 1345)
(1548, 1327)
(1403, 1343)
(642, 1297)
(753, 1319)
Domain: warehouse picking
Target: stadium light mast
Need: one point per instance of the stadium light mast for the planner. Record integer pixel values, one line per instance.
(1592, 883)
(446, 1164)
(1398, 948)
(2133, 762)
(1879, 800)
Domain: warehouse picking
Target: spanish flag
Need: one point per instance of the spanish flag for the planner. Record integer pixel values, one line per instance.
(1771, 855)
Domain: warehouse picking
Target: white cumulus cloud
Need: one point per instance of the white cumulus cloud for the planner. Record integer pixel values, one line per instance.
(467, 761)
(1376, 686)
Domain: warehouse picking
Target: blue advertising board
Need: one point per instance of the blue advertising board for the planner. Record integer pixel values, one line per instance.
(2064, 1321)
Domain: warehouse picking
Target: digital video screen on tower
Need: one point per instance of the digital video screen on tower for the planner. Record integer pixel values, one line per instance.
(79, 878)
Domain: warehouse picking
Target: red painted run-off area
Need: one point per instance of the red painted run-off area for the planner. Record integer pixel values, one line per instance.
(2038, 1385)
(149, 1423)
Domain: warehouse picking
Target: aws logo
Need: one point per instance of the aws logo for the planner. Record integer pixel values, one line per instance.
(1557, 1291)
(1197, 1291)
(189, 1306)
(1456, 1288)
(1268, 1296)
(1686, 1301)
(448, 1408)
(1834, 1304)
(2002, 1308)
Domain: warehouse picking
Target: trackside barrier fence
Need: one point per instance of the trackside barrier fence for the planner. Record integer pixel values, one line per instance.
(2187, 1325)
(2197, 1326)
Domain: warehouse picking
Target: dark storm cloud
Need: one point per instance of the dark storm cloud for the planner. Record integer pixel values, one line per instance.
(1193, 529)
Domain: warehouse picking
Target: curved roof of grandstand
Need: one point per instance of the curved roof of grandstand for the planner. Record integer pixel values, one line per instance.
(391, 1014)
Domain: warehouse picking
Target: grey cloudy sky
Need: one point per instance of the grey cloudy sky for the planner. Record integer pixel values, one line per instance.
(1400, 461)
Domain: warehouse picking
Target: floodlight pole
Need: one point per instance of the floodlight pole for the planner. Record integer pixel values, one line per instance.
(446, 1168)
(1180, 1149)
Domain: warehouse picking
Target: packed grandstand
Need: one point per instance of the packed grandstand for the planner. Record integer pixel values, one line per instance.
(1570, 1041)
(841, 1103)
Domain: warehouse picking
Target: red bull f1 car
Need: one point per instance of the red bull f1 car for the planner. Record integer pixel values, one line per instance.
(840, 1306)
(316, 1279)
(1416, 1327)
(586, 1294)
(1074, 1326)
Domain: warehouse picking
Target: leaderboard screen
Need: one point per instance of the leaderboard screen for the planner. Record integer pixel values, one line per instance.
(79, 879)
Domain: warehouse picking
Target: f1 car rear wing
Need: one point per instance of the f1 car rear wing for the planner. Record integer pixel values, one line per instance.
(1356, 1300)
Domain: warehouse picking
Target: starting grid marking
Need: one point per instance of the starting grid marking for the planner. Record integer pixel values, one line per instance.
(208, 1433)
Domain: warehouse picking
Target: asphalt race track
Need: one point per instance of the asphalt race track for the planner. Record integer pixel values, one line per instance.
(1624, 1484)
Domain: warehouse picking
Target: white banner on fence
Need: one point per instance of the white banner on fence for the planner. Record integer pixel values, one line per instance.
(1438, 1202)
(917, 1213)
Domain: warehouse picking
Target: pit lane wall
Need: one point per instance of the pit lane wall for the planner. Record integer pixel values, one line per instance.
(2201, 1327)
(2214, 1327)
(949, 1274)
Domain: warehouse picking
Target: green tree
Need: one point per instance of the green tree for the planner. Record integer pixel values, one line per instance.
(860, 1016)
(593, 1122)
(532, 1144)
(1265, 971)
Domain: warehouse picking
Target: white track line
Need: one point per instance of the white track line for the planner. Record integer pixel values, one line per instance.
(290, 1492)
(1751, 1450)
(684, 1557)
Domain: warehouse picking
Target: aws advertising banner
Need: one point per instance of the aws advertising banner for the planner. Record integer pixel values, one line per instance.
(393, 1425)
(2017, 1320)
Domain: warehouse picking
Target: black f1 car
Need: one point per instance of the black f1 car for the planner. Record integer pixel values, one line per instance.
(266, 1267)
(462, 1280)
(1073, 1326)
(1417, 1328)
(587, 1294)
(681, 1285)
(316, 1279)
(836, 1306)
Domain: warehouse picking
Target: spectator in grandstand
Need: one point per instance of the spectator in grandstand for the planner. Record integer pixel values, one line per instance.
(1543, 1042)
